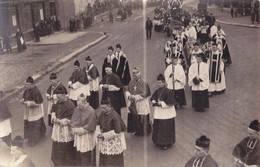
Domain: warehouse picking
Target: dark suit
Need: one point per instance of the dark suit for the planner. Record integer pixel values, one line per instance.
(149, 26)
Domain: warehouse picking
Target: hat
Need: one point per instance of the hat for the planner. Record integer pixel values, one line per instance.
(254, 125)
(118, 46)
(18, 142)
(76, 63)
(29, 80)
(160, 77)
(53, 76)
(105, 101)
(136, 70)
(108, 66)
(87, 58)
(196, 44)
(110, 48)
(203, 142)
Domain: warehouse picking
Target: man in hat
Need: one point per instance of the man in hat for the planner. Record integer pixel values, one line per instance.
(194, 52)
(176, 80)
(108, 60)
(122, 66)
(148, 27)
(34, 126)
(137, 93)
(221, 42)
(78, 83)
(247, 152)
(173, 53)
(199, 83)
(163, 101)
(63, 152)
(111, 139)
(217, 83)
(55, 87)
(83, 124)
(20, 159)
(111, 86)
(92, 74)
(202, 157)
(5, 124)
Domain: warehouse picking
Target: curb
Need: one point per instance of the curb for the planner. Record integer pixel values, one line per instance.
(54, 66)
(237, 24)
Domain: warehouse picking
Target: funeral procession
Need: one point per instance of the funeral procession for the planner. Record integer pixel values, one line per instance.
(129, 83)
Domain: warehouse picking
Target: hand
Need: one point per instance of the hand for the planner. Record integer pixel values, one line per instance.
(64, 122)
(101, 136)
(30, 103)
(56, 120)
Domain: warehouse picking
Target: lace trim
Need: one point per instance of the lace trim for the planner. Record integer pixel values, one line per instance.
(85, 143)
(62, 133)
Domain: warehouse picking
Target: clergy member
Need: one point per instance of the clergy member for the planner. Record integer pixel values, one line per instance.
(111, 86)
(83, 124)
(194, 52)
(34, 126)
(137, 93)
(55, 87)
(202, 157)
(217, 83)
(5, 124)
(163, 101)
(63, 152)
(78, 83)
(247, 152)
(108, 60)
(173, 53)
(176, 80)
(199, 83)
(20, 159)
(92, 74)
(112, 138)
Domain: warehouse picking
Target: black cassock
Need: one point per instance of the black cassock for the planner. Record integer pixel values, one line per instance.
(226, 53)
(214, 65)
(108, 60)
(115, 96)
(202, 161)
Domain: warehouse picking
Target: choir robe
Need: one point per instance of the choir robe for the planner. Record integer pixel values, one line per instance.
(5, 124)
(63, 152)
(114, 92)
(112, 147)
(202, 161)
(192, 34)
(78, 84)
(92, 74)
(200, 98)
(248, 146)
(139, 119)
(108, 60)
(179, 79)
(216, 66)
(22, 161)
(85, 143)
(34, 126)
(122, 68)
(164, 123)
(50, 94)
(223, 47)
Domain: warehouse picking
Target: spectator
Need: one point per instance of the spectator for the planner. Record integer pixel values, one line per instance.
(7, 45)
(20, 41)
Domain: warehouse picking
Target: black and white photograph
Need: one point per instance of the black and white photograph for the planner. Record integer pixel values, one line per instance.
(129, 83)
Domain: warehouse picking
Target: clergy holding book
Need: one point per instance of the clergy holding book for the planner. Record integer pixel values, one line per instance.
(199, 83)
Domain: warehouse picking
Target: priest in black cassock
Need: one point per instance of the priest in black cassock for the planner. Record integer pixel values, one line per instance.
(34, 126)
(78, 83)
(109, 60)
(202, 157)
(5, 124)
(63, 152)
(55, 87)
(199, 83)
(163, 101)
(112, 86)
(111, 139)
(92, 74)
(247, 152)
(137, 93)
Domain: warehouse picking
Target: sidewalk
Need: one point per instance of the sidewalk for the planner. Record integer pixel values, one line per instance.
(42, 57)
(225, 18)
